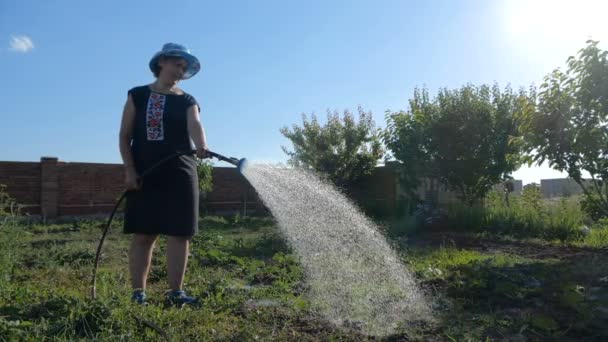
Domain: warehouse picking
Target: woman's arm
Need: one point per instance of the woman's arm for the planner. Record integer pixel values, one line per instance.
(125, 136)
(126, 133)
(196, 131)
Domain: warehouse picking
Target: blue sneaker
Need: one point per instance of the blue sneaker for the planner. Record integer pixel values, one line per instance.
(139, 297)
(179, 298)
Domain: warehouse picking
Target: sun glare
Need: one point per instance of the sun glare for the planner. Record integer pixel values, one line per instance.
(557, 22)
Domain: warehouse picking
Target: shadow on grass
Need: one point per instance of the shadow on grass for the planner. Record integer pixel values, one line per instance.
(548, 299)
(531, 248)
(262, 248)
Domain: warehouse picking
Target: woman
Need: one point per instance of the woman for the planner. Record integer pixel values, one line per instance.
(158, 120)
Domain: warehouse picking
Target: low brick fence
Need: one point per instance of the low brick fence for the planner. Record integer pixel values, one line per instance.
(52, 188)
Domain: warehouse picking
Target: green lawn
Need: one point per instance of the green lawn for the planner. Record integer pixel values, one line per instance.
(251, 286)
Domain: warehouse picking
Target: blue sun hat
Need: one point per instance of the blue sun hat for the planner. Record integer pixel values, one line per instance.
(177, 50)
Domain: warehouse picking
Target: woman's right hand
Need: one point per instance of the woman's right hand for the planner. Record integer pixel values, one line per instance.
(131, 179)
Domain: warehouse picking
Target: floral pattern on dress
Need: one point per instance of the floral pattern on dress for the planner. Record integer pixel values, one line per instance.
(154, 117)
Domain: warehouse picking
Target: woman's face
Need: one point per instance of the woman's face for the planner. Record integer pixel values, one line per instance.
(173, 68)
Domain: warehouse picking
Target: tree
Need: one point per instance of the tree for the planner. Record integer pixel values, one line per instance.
(461, 138)
(408, 137)
(343, 150)
(566, 124)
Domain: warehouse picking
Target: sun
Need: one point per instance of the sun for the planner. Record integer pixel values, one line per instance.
(564, 23)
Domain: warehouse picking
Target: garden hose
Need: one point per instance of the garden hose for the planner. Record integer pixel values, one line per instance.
(239, 163)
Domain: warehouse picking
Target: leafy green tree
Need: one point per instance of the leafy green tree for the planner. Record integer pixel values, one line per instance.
(566, 123)
(461, 138)
(343, 149)
(408, 137)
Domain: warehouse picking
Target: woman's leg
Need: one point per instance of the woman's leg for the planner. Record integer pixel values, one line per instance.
(140, 258)
(177, 259)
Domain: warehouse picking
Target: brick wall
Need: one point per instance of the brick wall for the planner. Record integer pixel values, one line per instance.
(87, 188)
(23, 183)
(232, 193)
(52, 188)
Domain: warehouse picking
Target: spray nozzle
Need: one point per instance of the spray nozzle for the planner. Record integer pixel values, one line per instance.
(239, 163)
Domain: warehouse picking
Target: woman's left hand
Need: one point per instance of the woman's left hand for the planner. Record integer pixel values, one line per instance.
(201, 153)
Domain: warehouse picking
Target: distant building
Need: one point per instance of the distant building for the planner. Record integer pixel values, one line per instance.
(561, 187)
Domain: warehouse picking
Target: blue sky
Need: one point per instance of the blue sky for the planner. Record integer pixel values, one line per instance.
(67, 65)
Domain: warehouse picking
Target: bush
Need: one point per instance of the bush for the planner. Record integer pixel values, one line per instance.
(590, 205)
(8, 205)
(204, 170)
(466, 218)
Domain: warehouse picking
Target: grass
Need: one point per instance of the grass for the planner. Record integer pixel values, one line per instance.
(246, 276)
(503, 295)
(560, 220)
(597, 238)
(252, 288)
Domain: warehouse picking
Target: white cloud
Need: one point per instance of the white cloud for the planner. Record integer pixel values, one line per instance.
(21, 43)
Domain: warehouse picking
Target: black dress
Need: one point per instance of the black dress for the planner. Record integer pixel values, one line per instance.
(167, 202)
